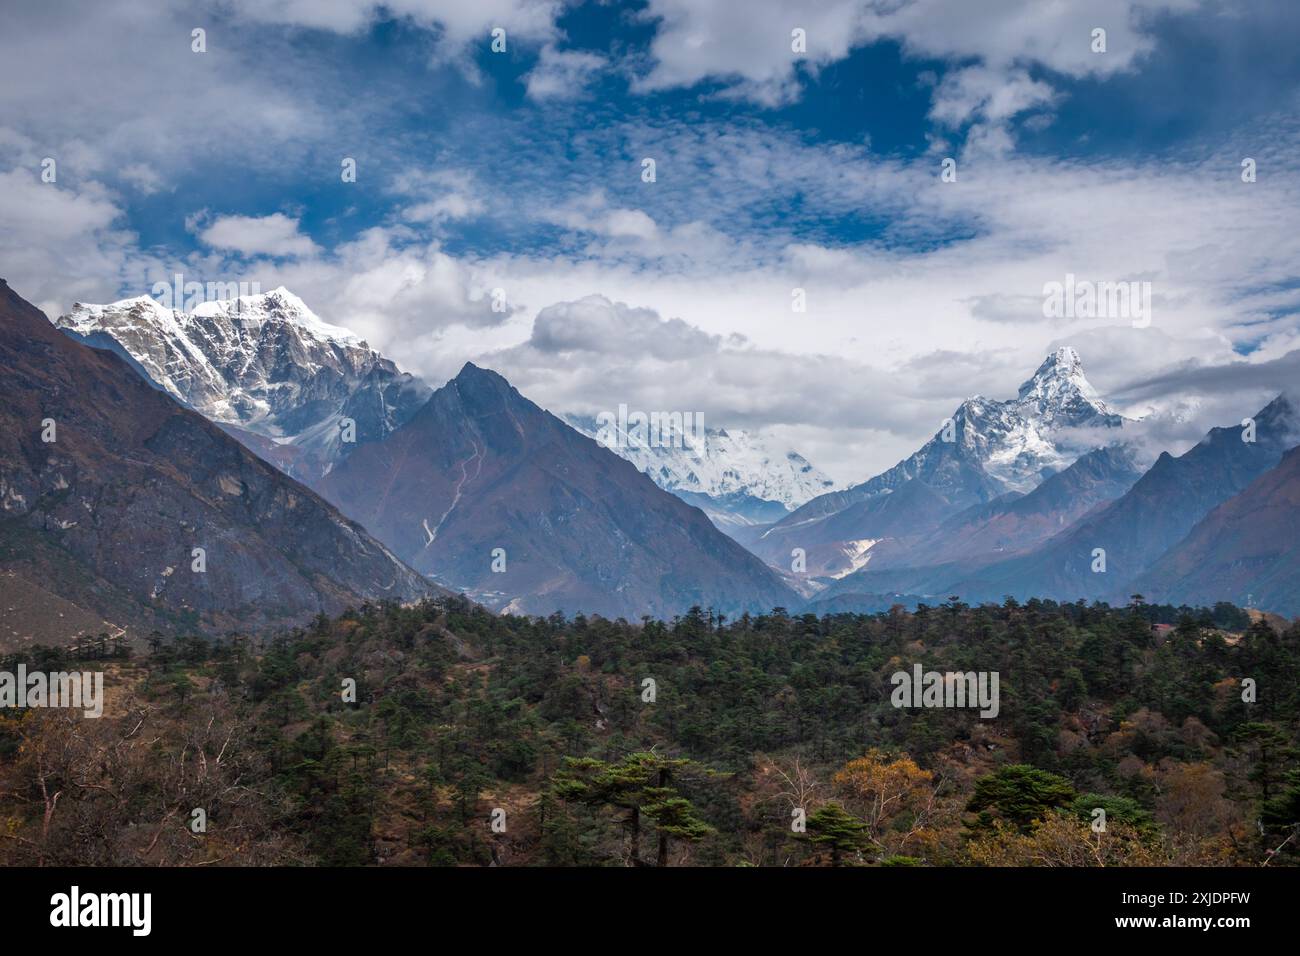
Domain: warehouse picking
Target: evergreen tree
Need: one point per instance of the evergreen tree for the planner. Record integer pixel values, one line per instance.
(1018, 794)
(839, 831)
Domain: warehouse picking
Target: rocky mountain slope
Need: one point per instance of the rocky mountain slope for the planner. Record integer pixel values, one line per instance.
(107, 485)
(1016, 523)
(487, 493)
(263, 366)
(1247, 550)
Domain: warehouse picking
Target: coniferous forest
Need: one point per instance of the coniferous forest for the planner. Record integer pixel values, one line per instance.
(439, 734)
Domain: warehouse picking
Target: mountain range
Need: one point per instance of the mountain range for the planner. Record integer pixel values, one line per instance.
(595, 536)
(283, 381)
(1134, 543)
(474, 488)
(986, 450)
(736, 477)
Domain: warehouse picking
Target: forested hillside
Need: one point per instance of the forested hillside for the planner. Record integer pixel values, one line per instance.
(477, 739)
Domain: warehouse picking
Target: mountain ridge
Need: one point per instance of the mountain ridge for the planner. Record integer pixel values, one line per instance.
(986, 449)
(131, 482)
(481, 468)
(261, 365)
(1245, 550)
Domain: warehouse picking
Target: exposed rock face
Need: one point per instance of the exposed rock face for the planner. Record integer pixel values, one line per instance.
(579, 529)
(114, 506)
(263, 366)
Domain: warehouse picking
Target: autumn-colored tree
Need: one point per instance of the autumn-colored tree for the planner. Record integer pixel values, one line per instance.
(1190, 802)
(122, 790)
(1059, 839)
(882, 788)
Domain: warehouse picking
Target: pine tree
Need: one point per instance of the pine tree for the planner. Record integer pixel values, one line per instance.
(642, 784)
(844, 834)
(1019, 794)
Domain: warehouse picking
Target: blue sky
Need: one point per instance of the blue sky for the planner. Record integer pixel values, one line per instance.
(482, 118)
(775, 170)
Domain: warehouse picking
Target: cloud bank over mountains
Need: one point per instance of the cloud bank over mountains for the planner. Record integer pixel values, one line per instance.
(508, 172)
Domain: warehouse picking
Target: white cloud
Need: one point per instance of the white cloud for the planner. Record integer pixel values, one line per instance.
(747, 43)
(459, 22)
(598, 326)
(143, 177)
(446, 208)
(1005, 37)
(59, 243)
(593, 214)
(746, 46)
(991, 98)
(592, 354)
(562, 74)
(1011, 33)
(437, 196)
(274, 235)
(108, 87)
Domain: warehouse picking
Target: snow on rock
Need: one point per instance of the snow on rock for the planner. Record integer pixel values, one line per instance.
(719, 463)
(264, 364)
(1056, 415)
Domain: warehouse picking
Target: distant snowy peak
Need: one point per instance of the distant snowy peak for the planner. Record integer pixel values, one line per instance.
(264, 364)
(1056, 416)
(1060, 392)
(719, 463)
(219, 357)
(990, 447)
(278, 306)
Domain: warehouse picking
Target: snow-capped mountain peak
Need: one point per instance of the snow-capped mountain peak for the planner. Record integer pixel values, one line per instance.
(278, 305)
(1060, 388)
(1042, 430)
(720, 463)
(263, 364)
(1016, 443)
